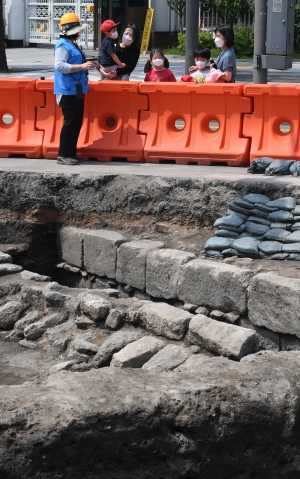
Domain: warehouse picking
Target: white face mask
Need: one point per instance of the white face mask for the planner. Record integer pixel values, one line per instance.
(219, 42)
(127, 39)
(200, 64)
(114, 35)
(158, 62)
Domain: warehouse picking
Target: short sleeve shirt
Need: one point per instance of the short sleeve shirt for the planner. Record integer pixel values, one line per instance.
(107, 47)
(160, 75)
(226, 62)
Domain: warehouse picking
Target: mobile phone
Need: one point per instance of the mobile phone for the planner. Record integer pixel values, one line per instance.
(212, 61)
(79, 91)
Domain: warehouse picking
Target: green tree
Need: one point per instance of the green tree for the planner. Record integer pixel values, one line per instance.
(3, 61)
(231, 9)
(179, 7)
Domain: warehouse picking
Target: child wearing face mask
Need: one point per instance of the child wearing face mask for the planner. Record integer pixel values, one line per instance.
(201, 68)
(157, 68)
(108, 59)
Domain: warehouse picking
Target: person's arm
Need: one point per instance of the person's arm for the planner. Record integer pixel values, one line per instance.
(61, 58)
(226, 76)
(117, 61)
(109, 75)
(226, 65)
(130, 62)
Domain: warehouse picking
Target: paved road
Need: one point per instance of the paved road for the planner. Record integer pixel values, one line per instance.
(38, 62)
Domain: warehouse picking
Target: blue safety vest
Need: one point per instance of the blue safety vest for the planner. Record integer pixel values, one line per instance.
(65, 84)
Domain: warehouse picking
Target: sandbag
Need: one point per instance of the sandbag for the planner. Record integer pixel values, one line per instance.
(295, 169)
(281, 215)
(256, 198)
(217, 243)
(287, 203)
(295, 227)
(260, 221)
(290, 248)
(226, 233)
(270, 247)
(233, 252)
(259, 165)
(294, 256)
(267, 209)
(279, 167)
(256, 229)
(213, 253)
(279, 256)
(276, 234)
(232, 220)
(293, 237)
(246, 245)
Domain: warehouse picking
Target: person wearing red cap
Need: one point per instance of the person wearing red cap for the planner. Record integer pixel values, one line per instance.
(108, 59)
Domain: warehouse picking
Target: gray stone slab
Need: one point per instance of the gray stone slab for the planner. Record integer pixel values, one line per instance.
(162, 271)
(36, 330)
(115, 319)
(10, 313)
(85, 347)
(5, 258)
(55, 299)
(136, 354)
(113, 344)
(131, 262)
(214, 285)
(30, 318)
(71, 245)
(29, 275)
(165, 320)
(274, 302)
(100, 251)
(96, 307)
(168, 358)
(7, 268)
(222, 338)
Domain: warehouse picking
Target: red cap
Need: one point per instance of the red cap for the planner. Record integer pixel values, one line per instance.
(108, 25)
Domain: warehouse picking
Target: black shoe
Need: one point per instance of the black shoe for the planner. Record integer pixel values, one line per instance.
(78, 158)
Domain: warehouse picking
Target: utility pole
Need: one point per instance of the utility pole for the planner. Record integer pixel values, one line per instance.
(192, 17)
(260, 75)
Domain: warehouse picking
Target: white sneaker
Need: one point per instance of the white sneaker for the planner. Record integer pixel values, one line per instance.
(61, 160)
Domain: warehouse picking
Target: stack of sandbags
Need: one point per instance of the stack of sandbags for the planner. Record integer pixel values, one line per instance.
(256, 227)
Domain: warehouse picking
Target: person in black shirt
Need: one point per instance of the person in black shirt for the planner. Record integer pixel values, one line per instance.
(128, 52)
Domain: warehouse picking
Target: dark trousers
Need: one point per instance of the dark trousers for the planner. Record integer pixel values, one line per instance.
(72, 109)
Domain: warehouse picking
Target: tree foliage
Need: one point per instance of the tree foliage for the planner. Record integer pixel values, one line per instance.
(231, 9)
(179, 7)
(3, 61)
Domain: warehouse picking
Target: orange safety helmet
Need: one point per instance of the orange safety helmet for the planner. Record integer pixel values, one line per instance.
(70, 24)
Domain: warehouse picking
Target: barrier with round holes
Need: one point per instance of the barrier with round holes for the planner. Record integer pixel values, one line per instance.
(274, 124)
(18, 103)
(110, 128)
(195, 124)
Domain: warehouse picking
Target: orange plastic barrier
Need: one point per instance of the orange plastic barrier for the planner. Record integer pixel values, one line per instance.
(49, 119)
(195, 124)
(18, 103)
(110, 125)
(274, 123)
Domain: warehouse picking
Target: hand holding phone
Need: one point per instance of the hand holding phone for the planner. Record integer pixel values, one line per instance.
(213, 63)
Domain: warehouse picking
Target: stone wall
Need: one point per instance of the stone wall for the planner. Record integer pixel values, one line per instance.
(225, 292)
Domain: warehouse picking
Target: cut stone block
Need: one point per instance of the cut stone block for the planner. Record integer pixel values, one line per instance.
(222, 338)
(136, 354)
(168, 358)
(131, 262)
(71, 245)
(274, 302)
(10, 313)
(165, 320)
(96, 307)
(214, 285)
(162, 271)
(113, 344)
(100, 251)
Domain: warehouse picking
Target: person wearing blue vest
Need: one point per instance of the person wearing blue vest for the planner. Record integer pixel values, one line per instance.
(70, 85)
